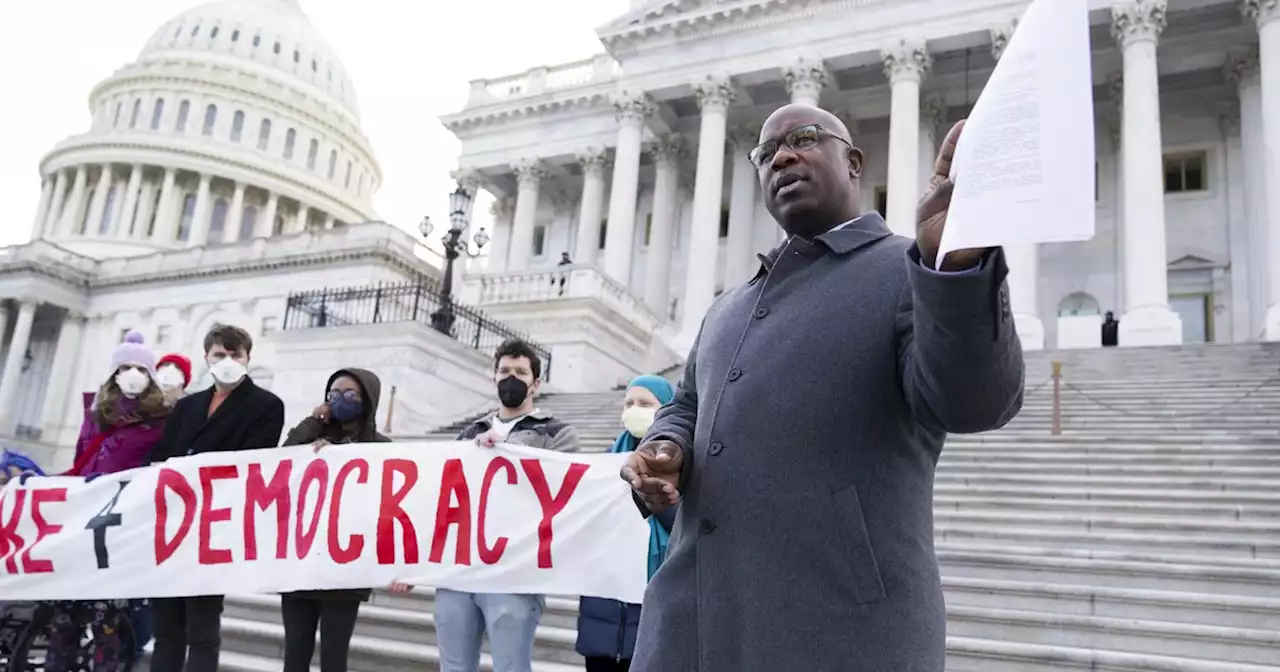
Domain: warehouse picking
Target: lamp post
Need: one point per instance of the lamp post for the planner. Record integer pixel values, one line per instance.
(454, 247)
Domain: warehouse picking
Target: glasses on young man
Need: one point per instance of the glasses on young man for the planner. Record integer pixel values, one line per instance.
(800, 139)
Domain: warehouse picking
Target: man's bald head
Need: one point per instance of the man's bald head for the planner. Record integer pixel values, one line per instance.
(809, 170)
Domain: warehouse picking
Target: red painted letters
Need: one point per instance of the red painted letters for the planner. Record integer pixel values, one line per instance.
(355, 546)
(550, 505)
(10, 543)
(169, 479)
(317, 471)
(260, 495)
(43, 529)
(391, 512)
(453, 484)
(490, 555)
(206, 554)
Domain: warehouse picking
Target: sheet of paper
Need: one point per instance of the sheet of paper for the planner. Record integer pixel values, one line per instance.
(1024, 167)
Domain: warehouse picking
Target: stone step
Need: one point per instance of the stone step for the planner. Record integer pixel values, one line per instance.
(1103, 482)
(1144, 569)
(1190, 640)
(1192, 527)
(1174, 509)
(1115, 602)
(1206, 544)
(1075, 491)
(969, 654)
(1079, 467)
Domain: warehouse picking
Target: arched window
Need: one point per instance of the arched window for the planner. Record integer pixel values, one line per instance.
(108, 211)
(257, 39)
(210, 116)
(213, 34)
(360, 187)
(248, 221)
(237, 126)
(311, 154)
(218, 222)
(188, 215)
(297, 56)
(276, 49)
(277, 227)
(115, 121)
(289, 138)
(235, 35)
(347, 184)
(1077, 304)
(264, 134)
(157, 112)
(333, 162)
(184, 108)
(137, 109)
(195, 30)
(84, 219)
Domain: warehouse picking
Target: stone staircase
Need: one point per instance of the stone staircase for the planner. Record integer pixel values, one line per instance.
(1145, 537)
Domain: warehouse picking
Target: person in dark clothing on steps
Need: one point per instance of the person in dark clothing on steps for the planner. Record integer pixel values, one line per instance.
(1110, 331)
(346, 416)
(233, 414)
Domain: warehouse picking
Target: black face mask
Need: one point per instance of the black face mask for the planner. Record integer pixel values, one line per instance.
(512, 391)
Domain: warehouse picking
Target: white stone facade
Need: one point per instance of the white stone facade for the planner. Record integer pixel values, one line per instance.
(1188, 130)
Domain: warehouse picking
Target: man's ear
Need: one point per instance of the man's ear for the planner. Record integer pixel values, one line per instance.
(855, 162)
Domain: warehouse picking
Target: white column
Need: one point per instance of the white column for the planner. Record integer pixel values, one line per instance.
(199, 233)
(1237, 221)
(266, 223)
(529, 174)
(235, 218)
(58, 395)
(145, 211)
(631, 111)
(58, 202)
(328, 224)
(123, 223)
(657, 273)
(1266, 14)
(1148, 320)
(503, 211)
(804, 81)
(1115, 84)
(301, 218)
(13, 366)
(743, 185)
(1242, 69)
(593, 162)
(1023, 258)
(905, 64)
(166, 230)
(98, 207)
(932, 113)
(72, 211)
(714, 96)
(42, 211)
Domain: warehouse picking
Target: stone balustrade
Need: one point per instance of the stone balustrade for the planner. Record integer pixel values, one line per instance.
(576, 281)
(601, 68)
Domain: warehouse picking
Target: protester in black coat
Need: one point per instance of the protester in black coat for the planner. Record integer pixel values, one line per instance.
(233, 414)
(346, 416)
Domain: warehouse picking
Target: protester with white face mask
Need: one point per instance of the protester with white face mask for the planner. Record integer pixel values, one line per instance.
(607, 628)
(232, 414)
(123, 421)
(173, 374)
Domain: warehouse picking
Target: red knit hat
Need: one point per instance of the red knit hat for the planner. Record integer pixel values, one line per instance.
(183, 364)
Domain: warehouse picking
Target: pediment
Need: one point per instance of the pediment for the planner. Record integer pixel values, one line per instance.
(657, 18)
(1194, 261)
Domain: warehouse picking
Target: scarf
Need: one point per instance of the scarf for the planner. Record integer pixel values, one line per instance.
(658, 535)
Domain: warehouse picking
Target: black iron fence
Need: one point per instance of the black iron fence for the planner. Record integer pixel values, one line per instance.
(402, 302)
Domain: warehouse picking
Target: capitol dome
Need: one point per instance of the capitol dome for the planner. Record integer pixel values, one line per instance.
(236, 121)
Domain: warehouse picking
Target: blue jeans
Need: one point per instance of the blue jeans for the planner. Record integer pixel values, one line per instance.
(463, 618)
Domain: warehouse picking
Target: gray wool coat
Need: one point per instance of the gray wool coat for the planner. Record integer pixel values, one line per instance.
(812, 413)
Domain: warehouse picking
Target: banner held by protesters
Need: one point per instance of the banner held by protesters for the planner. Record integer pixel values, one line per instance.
(446, 514)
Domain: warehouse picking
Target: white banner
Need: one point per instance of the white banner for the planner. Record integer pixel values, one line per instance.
(451, 515)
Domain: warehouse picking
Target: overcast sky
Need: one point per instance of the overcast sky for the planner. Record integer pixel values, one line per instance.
(410, 61)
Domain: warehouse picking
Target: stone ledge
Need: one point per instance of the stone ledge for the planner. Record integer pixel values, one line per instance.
(986, 651)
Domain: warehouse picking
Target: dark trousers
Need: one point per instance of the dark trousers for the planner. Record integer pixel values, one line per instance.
(336, 619)
(608, 665)
(187, 632)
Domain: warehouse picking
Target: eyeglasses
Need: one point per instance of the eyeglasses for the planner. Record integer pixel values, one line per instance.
(800, 139)
(349, 395)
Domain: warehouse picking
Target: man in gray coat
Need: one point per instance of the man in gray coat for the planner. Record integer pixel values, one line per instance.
(802, 443)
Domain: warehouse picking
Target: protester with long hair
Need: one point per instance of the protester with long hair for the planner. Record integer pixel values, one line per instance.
(346, 416)
(607, 628)
(123, 421)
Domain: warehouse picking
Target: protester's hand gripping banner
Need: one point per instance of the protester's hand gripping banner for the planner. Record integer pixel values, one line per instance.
(453, 515)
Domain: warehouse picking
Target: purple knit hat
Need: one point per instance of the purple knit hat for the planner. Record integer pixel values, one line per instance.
(132, 351)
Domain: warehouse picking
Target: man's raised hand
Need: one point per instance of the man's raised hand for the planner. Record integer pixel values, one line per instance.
(931, 214)
(653, 470)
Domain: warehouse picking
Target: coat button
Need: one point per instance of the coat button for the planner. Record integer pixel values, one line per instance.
(716, 447)
(706, 526)
(734, 374)
(761, 312)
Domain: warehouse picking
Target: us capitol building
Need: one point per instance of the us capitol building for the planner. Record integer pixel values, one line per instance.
(224, 177)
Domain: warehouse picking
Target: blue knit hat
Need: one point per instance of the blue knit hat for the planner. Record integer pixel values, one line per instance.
(659, 386)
